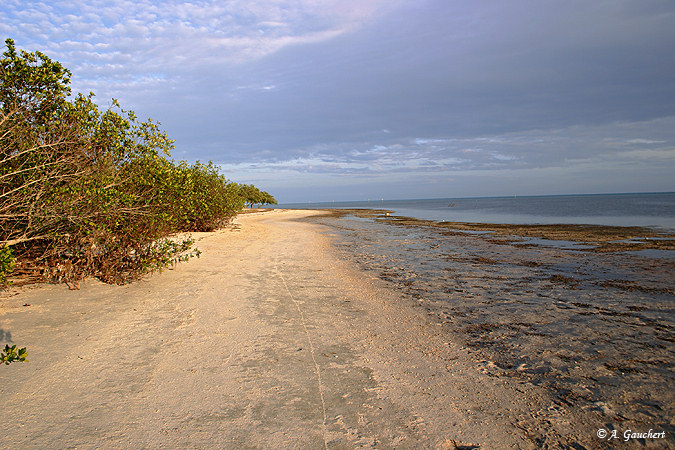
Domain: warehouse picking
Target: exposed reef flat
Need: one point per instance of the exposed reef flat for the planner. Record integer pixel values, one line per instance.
(599, 238)
(562, 307)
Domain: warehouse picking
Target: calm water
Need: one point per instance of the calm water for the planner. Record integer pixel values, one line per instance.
(655, 210)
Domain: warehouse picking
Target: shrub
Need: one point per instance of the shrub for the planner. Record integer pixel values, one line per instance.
(91, 192)
(254, 196)
(6, 262)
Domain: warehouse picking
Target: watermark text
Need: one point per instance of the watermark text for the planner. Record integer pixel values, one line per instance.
(630, 434)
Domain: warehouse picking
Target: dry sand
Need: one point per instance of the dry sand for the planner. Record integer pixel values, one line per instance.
(269, 340)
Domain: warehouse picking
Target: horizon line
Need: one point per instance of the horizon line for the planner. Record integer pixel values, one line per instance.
(475, 196)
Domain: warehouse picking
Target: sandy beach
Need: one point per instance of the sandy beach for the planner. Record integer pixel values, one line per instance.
(269, 340)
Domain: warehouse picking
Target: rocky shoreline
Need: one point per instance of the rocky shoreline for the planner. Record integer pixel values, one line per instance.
(582, 311)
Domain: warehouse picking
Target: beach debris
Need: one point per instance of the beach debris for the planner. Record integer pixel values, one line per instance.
(452, 444)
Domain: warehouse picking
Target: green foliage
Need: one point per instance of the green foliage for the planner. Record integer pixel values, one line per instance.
(11, 354)
(6, 262)
(254, 196)
(91, 192)
(32, 82)
(197, 196)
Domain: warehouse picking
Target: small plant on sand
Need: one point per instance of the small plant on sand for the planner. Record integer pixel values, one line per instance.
(11, 354)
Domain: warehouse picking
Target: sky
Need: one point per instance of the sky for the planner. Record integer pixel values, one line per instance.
(335, 100)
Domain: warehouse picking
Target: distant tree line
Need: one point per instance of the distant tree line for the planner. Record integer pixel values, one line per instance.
(254, 196)
(86, 191)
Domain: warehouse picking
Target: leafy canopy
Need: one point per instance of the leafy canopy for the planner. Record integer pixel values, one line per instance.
(86, 191)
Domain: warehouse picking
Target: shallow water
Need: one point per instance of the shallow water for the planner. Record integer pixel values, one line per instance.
(596, 330)
(652, 210)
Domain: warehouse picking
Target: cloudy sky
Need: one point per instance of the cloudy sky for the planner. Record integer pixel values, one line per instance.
(357, 99)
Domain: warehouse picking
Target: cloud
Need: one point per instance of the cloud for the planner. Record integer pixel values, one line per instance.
(120, 43)
(561, 149)
(379, 90)
(644, 141)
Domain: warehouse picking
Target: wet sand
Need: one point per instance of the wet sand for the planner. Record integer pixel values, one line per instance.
(274, 338)
(594, 326)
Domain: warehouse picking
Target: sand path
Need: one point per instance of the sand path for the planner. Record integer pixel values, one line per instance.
(268, 340)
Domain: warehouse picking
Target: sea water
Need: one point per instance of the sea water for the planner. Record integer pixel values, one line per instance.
(654, 210)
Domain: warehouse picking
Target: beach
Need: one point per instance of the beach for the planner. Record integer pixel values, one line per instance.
(584, 311)
(280, 335)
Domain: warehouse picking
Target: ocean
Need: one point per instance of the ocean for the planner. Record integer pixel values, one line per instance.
(653, 210)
